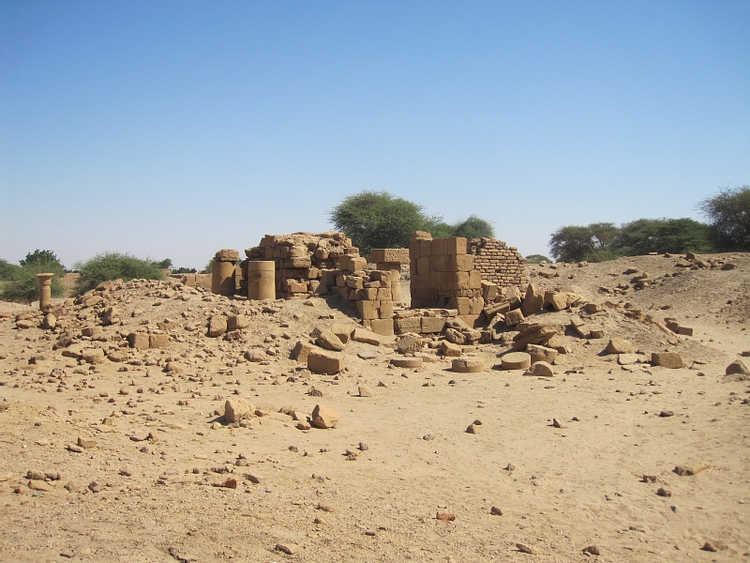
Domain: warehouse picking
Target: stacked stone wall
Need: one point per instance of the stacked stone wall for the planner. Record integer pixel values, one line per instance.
(443, 275)
(499, 263)
(303, 261)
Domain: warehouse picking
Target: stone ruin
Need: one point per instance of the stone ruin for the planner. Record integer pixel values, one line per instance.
(452, 279)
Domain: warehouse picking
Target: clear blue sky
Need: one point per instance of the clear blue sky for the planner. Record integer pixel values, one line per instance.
(171, 129)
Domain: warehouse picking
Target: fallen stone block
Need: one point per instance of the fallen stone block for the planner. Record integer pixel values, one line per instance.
(324, 362)
(541, 368)
(541, 353)
(408, 362)
(516, 360)
(449, 349)
(618, 345)
(671, 360)
(217, 325)
(366, 336)
(236, 410)
(534, 334)
(329, 341)
(468, 365)
(324, 417)
(139, 340)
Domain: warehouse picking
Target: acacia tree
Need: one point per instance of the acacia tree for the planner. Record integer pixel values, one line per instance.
(728, 214)
(23, 285)
(474, 227)
(662, 235)
(572, 243)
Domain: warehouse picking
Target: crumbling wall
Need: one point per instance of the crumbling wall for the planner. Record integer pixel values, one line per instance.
(301, 259)
(443, 275)
(499, 263)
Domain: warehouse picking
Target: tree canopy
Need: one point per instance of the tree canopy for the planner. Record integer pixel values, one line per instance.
(728, 214)
(381, 220)
(112, 266)
(605, 241)
(21, 281)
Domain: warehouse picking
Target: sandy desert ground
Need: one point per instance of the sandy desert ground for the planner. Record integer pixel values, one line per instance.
(130, 460)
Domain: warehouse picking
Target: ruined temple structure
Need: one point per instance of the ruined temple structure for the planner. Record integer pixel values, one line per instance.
(450, 277)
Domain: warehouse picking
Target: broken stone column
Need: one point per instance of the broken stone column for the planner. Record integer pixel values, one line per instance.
(222, 272)
(45, 295)
(261, 282)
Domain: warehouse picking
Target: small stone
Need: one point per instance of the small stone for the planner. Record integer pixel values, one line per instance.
(556, 424)
(669, 360)
(666, 414)
(287, 549)
(618, 345)
(737, 366)
(445, 516)
(230, 483)
(708, 546)
(662, 492)
(364, 391)
(591, 550)
(94, 487)
(525, 548)
(495, 511)
(36, 485)
(86, 443)
(472, 429)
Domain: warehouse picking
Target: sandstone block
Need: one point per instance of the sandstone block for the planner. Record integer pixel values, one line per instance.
(328, 340)
(237, 322)
(533, 302)
(514, 317)
(409, 324)
(619, 346)
(93, 356)
(364, 391)
(468, 365)
(367, 336)
(394, 255)
(321, 361)
(456, 245)
(296, 286)
(383, 327)
(533, 334)
(238, 409)
(352, 263)
(516, 360)
(139, 340)
(541, 353)
(450, 350)
(324, 417)
(432, 325)
(300, 351)
(407, 362)
(541, 368)
(368, 309)
(671, 360)
(158, 340)
(227, 255)
(217, 325)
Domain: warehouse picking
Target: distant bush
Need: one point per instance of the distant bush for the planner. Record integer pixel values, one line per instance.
(183, 270)
(22, 285)
(7, 269)
(112, 266)
(537, 259)
(728, 213)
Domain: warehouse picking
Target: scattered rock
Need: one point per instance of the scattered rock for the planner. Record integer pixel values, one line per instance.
(737, 366)
(495, 511)
(541, 368)
(324, 417)
(236, 410)
(662, 492)
(407, 362)
(689, 470)
(445, 516)
(523, 548)
(591, 550)
(364, 391)
(670, 360)
(618, 345)
(329, 341)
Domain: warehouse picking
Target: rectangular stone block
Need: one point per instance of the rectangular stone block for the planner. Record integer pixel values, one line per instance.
(432, 324)
(385, 311)
(436, 280)
(392, 266)
(383, 327)
(297, 262)
(296, 286)
(439, 247)
(409, 324)
(414, 250)
(424, 265)
(455, 280)
(425, 248)
(439, 262)
(393, 255)
(461, 262)
(322, 361)
(456, 245)
(368, 309)
(301, 351)
(384, 294)
(352, 263)
(475, 280)
(463, 304)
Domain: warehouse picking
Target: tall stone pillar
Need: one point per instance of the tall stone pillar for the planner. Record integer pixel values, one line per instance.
(222, 272)
(261, 279)
(45, 295)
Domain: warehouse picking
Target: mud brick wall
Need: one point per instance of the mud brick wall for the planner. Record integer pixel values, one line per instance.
(499, 263)
(443, 275)
(301, 260)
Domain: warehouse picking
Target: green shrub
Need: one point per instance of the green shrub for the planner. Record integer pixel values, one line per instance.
(537, 259)
(7, 269)
(22, 285)
(112, 266)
